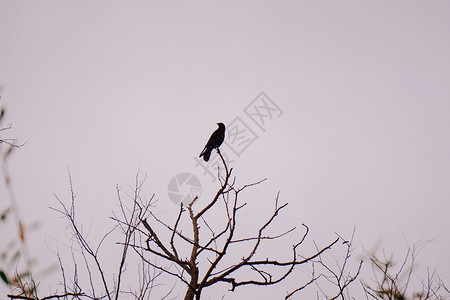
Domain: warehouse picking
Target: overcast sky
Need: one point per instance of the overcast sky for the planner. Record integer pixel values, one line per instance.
(357, 132)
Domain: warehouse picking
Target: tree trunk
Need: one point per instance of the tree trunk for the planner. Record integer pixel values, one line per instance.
(191, 291)
(193, 285)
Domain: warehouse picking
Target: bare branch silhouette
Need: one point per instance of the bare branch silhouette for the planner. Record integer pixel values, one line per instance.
(391, 283)
(204, 265)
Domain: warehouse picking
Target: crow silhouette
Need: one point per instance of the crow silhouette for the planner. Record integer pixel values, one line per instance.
(214, 141)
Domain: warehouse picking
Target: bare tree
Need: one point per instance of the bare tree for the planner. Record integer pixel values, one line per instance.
(100, 285)
(205, 265)
(392, 280)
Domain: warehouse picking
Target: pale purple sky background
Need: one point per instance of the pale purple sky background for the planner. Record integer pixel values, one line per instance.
(108, 88)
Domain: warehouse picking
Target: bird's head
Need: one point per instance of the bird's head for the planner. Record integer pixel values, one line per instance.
(221, 125)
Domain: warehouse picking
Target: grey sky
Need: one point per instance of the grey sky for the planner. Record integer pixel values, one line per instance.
(109, 88)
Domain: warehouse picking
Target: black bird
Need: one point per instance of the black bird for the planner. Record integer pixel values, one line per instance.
(214, 141)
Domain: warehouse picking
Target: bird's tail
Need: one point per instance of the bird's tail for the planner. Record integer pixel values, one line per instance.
(206, 153)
